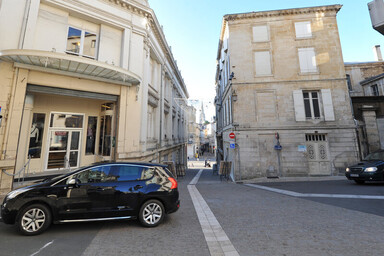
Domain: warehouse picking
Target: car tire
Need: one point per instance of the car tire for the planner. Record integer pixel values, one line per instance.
(360, 181)
(33, 219)
(151, 213)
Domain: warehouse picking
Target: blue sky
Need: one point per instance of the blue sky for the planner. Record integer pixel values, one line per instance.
(192, 28)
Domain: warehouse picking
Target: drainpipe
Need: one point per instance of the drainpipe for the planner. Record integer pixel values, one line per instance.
(161, 107)
(24, 24)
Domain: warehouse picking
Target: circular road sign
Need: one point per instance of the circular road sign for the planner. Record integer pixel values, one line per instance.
(232, 135)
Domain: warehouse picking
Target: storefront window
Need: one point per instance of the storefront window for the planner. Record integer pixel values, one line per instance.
(91, 135)
(105, 136)
(59, 120)
(36, 135)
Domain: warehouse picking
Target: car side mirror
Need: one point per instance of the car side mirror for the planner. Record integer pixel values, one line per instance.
(73, 183)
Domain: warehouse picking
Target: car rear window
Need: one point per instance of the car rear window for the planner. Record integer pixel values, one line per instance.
(128, 172)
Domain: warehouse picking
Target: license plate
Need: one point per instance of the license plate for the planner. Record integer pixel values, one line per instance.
(354, 175)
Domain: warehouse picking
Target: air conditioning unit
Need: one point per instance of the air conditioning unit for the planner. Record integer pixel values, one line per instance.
(376, 11)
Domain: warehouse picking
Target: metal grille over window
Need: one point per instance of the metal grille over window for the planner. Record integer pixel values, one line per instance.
(311, 152)
(323, 152)
(315, 137)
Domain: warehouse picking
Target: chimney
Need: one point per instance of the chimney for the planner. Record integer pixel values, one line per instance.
(377, 53)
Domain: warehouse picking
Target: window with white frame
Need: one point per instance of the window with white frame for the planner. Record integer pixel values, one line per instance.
(263, 63)
(81, 42)
(307, 60)
(303, 29)
(310, 105)
(375, 90)
(260, 33)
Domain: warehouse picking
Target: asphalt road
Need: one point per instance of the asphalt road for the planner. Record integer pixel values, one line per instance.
(256, 221)
(338, 187)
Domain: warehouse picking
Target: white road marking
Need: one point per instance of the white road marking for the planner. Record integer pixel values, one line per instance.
(42, 248)
(216, 238)
(295, 194)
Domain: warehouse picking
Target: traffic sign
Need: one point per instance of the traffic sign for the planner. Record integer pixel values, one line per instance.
(232, 145)
(232, 135)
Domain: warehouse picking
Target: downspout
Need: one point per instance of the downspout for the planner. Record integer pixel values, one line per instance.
(24, 24)
(161, 107)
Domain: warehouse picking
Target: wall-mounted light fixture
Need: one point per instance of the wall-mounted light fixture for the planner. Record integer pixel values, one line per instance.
(231, 76)
(234, 96)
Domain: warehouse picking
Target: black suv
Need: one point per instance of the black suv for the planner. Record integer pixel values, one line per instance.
(370, 169)
(104, 191)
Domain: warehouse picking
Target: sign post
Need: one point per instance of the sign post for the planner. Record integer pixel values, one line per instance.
(232, 137)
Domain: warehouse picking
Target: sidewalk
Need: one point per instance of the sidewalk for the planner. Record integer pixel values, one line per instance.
(292, 179)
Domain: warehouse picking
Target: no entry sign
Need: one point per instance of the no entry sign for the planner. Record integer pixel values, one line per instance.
(232, 135)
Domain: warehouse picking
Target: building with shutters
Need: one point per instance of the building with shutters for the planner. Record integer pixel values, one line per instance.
(282, 89)
(86, 81)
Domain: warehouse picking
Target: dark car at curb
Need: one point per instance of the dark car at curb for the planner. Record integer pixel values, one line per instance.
(106, 191)
(370, 169)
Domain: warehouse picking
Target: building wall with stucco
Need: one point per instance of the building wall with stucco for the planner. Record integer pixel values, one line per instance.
(100, 79)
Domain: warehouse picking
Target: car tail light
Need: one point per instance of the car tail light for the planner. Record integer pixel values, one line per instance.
(173, 181)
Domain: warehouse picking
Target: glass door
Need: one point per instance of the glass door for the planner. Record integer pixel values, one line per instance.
(58, 142)
(64, 148)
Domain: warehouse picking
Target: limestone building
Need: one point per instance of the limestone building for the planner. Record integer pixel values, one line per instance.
(282, 90)
(86, 81)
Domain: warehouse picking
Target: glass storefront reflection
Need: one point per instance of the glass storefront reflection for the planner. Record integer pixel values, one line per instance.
(66, 121)
(36, 135)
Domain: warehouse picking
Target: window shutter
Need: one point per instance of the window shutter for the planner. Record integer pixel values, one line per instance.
(329, 114)
(298, 102)
(260, 34)
(303, 29)
(263, 63)
(307, 60)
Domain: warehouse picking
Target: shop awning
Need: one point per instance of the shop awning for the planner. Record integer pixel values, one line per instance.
(65, 64)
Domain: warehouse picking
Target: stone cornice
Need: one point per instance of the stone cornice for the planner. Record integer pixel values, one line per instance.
(148, 13)
(283, 12)
(158, 32)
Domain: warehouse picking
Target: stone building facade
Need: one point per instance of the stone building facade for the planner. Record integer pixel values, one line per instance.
(359, 71)
(86, 81)
(282, 90)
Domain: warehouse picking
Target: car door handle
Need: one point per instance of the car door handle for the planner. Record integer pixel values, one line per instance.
(138, 187)
(100, 189)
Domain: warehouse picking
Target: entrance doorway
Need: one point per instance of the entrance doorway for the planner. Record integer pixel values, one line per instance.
(317, 154)
(64, 141)
(64, 149)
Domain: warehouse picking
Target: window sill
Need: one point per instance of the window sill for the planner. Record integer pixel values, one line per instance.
(259, 76)
(309, 73)
(304, 38)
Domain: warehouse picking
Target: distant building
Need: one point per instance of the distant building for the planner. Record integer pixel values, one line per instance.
(86, 81)
(282, 89)
(193, 133)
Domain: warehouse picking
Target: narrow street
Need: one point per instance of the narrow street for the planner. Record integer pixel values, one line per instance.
(239, 220)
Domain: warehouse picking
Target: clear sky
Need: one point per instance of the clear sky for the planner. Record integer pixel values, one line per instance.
(192, 28)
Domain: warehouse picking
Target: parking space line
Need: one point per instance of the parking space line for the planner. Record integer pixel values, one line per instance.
(42, 248)
(216, 238)
(296, 194)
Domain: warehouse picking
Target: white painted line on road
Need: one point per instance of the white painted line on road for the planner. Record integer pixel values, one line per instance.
(216, 238)
(42, 248)
(295, 194)
(196, 178)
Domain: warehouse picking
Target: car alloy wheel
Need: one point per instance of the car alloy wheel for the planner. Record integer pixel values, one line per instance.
(34, 219)
(151, 213)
